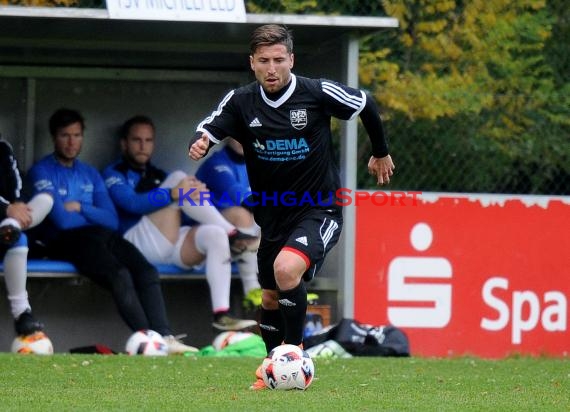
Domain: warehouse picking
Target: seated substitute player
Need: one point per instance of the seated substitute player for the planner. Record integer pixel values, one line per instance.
(225, 175)
(15, 217)
(269, 117)
(157, 228)
(82, 229)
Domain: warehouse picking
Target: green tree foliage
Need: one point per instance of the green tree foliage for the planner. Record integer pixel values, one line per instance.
(475, 94)
(329, 7)
(483, 64)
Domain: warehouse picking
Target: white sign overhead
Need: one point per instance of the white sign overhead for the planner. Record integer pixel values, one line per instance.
(182, 10)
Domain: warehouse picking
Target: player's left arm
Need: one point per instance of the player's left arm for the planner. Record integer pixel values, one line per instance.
(102, 211)
(380, 163)
(347, 103)
(42, 179)
(125, 197)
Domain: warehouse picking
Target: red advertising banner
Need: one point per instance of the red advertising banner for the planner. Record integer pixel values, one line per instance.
(483, 275)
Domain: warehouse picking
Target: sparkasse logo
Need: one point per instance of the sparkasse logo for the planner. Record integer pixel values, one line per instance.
(413, 300)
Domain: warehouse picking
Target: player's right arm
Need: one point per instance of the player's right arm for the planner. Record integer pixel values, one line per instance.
(126, 198)
(223, 122)
(101, 211)
(199, 146)
(42, 182)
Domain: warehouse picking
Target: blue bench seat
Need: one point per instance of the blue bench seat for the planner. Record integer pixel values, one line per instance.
(42, 268)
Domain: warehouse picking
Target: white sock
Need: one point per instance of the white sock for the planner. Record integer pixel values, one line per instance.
(15, 275)
(213, 242)
(247, 265)
(253, 230)
(41, 205)
(201, 213)
(207, 214)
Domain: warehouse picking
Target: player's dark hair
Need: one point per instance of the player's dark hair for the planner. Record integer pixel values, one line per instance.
(64, 117)
(269, 35)
(139, 119)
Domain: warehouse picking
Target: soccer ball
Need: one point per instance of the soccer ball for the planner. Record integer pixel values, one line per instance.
(288, 367)
(37, 343)
(146, 342)
(225, 339)
(328, 349)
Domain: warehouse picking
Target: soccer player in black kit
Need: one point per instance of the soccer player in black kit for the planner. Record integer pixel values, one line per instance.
(283, 123)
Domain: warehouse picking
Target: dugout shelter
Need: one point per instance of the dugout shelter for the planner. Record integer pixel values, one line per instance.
(175, 72)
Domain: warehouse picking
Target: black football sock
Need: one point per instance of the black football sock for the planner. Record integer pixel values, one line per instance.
(293, 305)
(271, 327)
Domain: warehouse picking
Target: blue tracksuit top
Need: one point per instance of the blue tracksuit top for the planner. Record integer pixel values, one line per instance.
(225, 175)
(80, 182)
(134, 191)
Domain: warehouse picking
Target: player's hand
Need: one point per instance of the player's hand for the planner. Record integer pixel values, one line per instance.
(198, 186)
(21, 212)
(382, 168)
(72, 206)
(200, 147)
(188, 184)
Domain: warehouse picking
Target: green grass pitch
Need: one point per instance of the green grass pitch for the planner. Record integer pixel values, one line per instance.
(179, 383)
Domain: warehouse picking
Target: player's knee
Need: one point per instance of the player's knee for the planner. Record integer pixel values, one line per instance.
(45, 199)
(212, 232)
(269, 299)
(177, 175)
(212, 239)
(287, 275)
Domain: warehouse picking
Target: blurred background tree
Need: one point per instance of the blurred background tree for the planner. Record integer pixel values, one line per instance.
(469, 87)
(475, 94)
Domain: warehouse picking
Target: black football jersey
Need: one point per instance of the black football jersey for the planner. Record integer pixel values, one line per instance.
(10, 181)
(287, 143)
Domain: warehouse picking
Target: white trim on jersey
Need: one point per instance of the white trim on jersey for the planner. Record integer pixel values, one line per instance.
(210, 135)
(282, 99)
(214, 114)
(340, 95)
(357, 112)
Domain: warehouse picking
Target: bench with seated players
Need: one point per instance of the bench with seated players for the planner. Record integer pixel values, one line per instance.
(43, 268)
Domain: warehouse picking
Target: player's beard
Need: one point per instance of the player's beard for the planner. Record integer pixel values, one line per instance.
(141, 160)
(137, 161)
(67, 156)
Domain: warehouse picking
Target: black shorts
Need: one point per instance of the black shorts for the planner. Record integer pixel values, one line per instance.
(312, 237)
